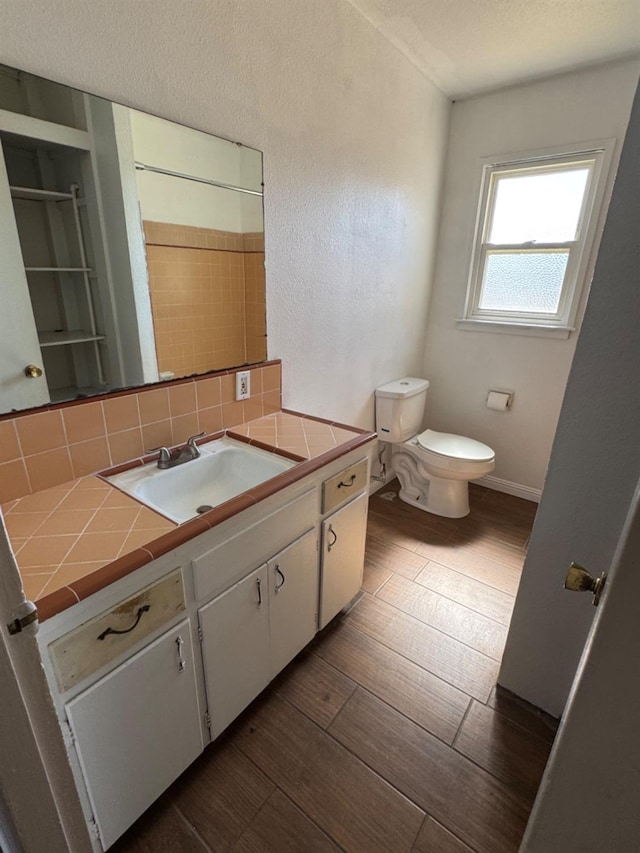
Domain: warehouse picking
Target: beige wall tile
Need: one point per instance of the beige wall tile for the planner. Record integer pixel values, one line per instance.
(232, 414)
(182, 399)
(271, 402)
(125, 445)
(184, 427)
(157, 434)
(208, 392)
(49, 468)
(228, 388)
(83, 422)
(9, 447)
(40, 432)
(210, 420)
(121, 413)
(153, 405)
(13, 480)
(271, 378)
(87, 457)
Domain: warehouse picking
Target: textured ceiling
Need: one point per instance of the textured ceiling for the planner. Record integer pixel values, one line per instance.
(471, 46)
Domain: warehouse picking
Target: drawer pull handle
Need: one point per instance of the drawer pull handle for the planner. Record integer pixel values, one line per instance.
(335, 538)
(182, 664)
(281, 584)
(259, 585)
(343, 485)
(141, 610)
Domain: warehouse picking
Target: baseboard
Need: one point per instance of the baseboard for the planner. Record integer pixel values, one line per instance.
(509, 488)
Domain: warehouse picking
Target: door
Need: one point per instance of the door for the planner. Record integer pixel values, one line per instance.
(293, 599)
(343, 539)
(19, 344)
(235, 648)
(588, 798)
(137, 729)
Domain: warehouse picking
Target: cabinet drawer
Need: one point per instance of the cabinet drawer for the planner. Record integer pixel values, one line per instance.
(215, 570)
(343, 486)
(94, 644)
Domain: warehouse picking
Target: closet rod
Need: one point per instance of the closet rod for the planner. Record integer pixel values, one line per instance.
(146, 168)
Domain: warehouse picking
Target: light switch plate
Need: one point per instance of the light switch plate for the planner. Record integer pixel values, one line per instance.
(243, 385)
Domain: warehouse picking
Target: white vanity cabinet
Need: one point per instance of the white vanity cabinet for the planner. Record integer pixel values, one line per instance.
(147, 670)
(250, 632)
(136, 730)
(344, 531)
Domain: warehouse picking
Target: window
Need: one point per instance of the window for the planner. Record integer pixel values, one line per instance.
(535, 228)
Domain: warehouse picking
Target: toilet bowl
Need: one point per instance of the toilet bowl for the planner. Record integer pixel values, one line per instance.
(434, 468)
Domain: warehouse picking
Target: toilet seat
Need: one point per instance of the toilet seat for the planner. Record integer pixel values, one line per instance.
(450, 446)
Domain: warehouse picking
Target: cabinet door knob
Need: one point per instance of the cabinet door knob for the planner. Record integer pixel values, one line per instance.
(31, 371)
(259, 585)
(279, 572)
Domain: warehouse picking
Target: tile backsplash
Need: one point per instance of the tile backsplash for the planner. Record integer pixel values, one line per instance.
(43, 448)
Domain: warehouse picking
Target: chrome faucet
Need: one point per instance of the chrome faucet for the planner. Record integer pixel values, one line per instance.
(178, 455)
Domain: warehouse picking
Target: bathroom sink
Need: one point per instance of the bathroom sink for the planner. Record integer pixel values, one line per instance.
(224, 469)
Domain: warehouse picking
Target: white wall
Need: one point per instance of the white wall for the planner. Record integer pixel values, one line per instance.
(594, 466)
(353, 139)
(464, 365)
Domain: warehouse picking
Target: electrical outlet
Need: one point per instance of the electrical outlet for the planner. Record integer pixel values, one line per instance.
(243, 385)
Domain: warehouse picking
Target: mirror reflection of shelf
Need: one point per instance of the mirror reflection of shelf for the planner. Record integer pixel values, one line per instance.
(58, 269)
(75, 296)
(63, 337)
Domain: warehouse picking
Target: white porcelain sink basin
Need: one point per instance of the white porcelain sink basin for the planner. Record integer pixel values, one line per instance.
(224, 469)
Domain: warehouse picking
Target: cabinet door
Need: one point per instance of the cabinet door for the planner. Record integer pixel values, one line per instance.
(293, 599)
(343, 539)
(235, 648)
(137, 729)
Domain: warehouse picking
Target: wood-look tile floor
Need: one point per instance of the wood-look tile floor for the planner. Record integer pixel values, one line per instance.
(387, 734)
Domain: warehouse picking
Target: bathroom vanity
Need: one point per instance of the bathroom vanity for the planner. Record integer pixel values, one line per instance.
(147, 671)
(134, 253)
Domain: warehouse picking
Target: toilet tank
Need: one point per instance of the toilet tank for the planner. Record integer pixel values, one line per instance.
(400, 408)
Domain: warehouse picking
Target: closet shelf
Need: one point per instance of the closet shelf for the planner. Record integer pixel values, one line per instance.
(33, 194)
(75, 336)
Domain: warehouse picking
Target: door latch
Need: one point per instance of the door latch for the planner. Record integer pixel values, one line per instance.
(579, 579)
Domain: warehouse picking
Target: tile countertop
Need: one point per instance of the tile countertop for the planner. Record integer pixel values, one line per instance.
(76, 538)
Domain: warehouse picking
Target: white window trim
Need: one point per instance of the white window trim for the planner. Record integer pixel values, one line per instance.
(580, 267)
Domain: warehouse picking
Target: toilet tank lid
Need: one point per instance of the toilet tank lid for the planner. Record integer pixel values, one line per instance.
(406, 387)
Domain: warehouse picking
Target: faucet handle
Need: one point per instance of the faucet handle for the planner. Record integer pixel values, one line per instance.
(191, 441)
(165, 454)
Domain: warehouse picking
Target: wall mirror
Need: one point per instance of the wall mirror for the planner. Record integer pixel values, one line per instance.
(131, 247)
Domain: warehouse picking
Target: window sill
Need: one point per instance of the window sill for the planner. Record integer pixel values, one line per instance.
(506, 328)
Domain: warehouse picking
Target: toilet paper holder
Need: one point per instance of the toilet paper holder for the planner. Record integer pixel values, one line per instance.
(499, 401)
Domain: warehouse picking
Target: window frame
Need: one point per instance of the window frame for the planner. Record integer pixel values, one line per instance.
(598, 155)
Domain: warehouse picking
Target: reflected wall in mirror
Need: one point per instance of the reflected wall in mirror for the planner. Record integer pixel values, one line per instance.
(131, 247)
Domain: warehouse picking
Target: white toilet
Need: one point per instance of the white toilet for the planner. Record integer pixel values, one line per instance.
(434, 468)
